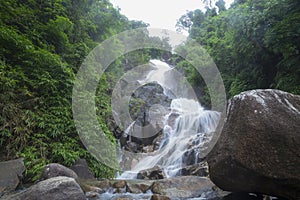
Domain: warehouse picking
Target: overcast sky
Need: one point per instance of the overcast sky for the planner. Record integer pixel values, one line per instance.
(158, 13)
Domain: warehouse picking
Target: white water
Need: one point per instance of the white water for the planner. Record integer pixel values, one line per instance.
(186, 127)
(186, 123)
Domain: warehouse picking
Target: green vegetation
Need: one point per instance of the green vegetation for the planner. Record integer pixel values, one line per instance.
(255, 44)
(42, 45)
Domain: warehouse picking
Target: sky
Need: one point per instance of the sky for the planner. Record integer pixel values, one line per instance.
(158, 13)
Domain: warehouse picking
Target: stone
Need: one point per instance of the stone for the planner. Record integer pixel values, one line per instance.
(183, 186)
(131, 146)
(142, 101)
(148, 149)
(259, 147)
(119, 184)
(157, 141)
(246, 196)
(54, 170)
(58, 188)
(92, 195)
(138, 186)
(81, 168)
(151, 174)
(199, 169)
(146, 96)
(89, 188)
(159, 197)
(10, 173)
(102, 184)
(129, 197)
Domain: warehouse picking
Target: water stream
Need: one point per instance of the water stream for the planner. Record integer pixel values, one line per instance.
(186, 127)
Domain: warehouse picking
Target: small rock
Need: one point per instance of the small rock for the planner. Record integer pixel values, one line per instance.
(103, 184)
(81, 168)
(160, 197)
(119, 184)
(131, 146)
(10, 174)
(200, 169)
(151, 174)
(54, 170)
(148, 149)
(88, 188)
(157, 142)
(91, 195)
(138, 186)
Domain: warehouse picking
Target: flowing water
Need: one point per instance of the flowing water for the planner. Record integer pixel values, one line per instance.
(186, 127)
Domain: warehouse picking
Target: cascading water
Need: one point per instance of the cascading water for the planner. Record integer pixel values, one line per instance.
(187, 127)
(187, 124)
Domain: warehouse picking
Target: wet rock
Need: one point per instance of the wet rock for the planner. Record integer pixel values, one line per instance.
(88, 188)
(200, 169)
(138, 186)
(148, 149)
(119, 184)
(151, 174)
(58, 188)
(247, 196)
(117, 132)
(54, 170)
(259, 147)
(160, 197)
(10, 175)
(81, 168)
(131, 146)
(143, 100)
(129, 197)
(148, 95)
(92, 186)
(157, 141)
(92, 195)
(190, 157)
(183, 186)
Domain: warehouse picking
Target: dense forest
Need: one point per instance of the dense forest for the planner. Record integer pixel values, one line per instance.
(254, 43)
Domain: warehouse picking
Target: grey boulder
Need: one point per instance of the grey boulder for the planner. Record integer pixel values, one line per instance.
(259, 147)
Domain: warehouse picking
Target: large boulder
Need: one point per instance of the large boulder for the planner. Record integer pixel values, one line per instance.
(147, 105)
(10, 174)
(186, 187)
(259, 147)
(55, 169)
(146, 96)
(58, 188)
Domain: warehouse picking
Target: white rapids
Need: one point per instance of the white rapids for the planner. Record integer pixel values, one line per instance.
(187, 123)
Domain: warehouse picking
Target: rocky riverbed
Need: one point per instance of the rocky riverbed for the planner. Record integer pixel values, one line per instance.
(256, 157)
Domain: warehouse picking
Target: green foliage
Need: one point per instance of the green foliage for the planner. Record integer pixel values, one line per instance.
(255, 44)
(42, 45)
(136, 106)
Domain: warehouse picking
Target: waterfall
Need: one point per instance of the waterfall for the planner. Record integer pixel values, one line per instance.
(186, 127)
